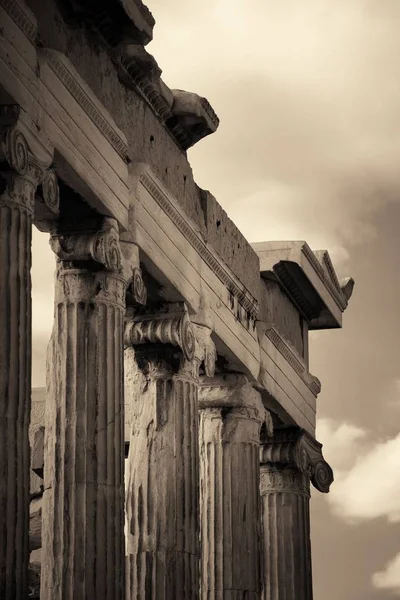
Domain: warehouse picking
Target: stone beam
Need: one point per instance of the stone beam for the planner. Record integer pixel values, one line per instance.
(176, 255)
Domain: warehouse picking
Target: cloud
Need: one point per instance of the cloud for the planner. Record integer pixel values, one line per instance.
(309, 137)
(389, 579)
(342, 443)
(367, 472)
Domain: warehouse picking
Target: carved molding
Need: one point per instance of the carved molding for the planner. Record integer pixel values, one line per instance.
(245, 299)
(137, 69)
(22, 16)
(58, 63)
(101, 246)
(294, 448)
(312, 382)
(175, 330)
(330, 282)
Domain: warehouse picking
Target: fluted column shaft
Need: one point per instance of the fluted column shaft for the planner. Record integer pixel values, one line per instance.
(19, 178)
(162, 484)
(162, 379)
(83, 501)
(286, 531)
(229, 492)
(288, 461)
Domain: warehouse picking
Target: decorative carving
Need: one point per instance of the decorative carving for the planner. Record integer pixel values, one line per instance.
(284, 480)
(22, 16)
(51, 193)
(59, 65)
(312, 382)
(24, 155)
(294, 448)
(102, 247)
(138, 288)
(177, 331)
(235, 287)
(106, 288)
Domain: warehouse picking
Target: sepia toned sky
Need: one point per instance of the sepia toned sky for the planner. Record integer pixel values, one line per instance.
(308, 94)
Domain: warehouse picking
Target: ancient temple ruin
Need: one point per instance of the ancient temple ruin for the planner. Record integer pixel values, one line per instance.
(173, 455)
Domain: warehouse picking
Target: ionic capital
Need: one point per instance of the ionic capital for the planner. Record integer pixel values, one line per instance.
(25, 154)
(234, 391)
(294, 448)
(102, 246)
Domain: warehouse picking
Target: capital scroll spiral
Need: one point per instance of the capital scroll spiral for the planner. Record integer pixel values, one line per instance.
(16, 151)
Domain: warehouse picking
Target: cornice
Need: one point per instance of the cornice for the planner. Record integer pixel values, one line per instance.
(243, 296)
(332, 282)
(22, 16)
(293, 359)
(58, 63)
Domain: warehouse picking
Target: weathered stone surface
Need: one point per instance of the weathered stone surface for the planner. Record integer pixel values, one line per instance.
(83, 553)
(35, 524)
(149, 140)
(37, 454)
(231, 416)
(191, 118)
(288, 461)
(23, 158)
(276, 308)
(162, 503)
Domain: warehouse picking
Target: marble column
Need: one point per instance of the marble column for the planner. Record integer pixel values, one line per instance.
(288, 461)
(83, 503)
(24, 156)
(163, 357)
(231, 415)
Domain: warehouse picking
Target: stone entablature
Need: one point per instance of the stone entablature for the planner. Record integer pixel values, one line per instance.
(308, 278)
(299, 292)
(90, 166)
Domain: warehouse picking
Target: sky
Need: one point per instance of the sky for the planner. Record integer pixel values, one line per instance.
(308, 97)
